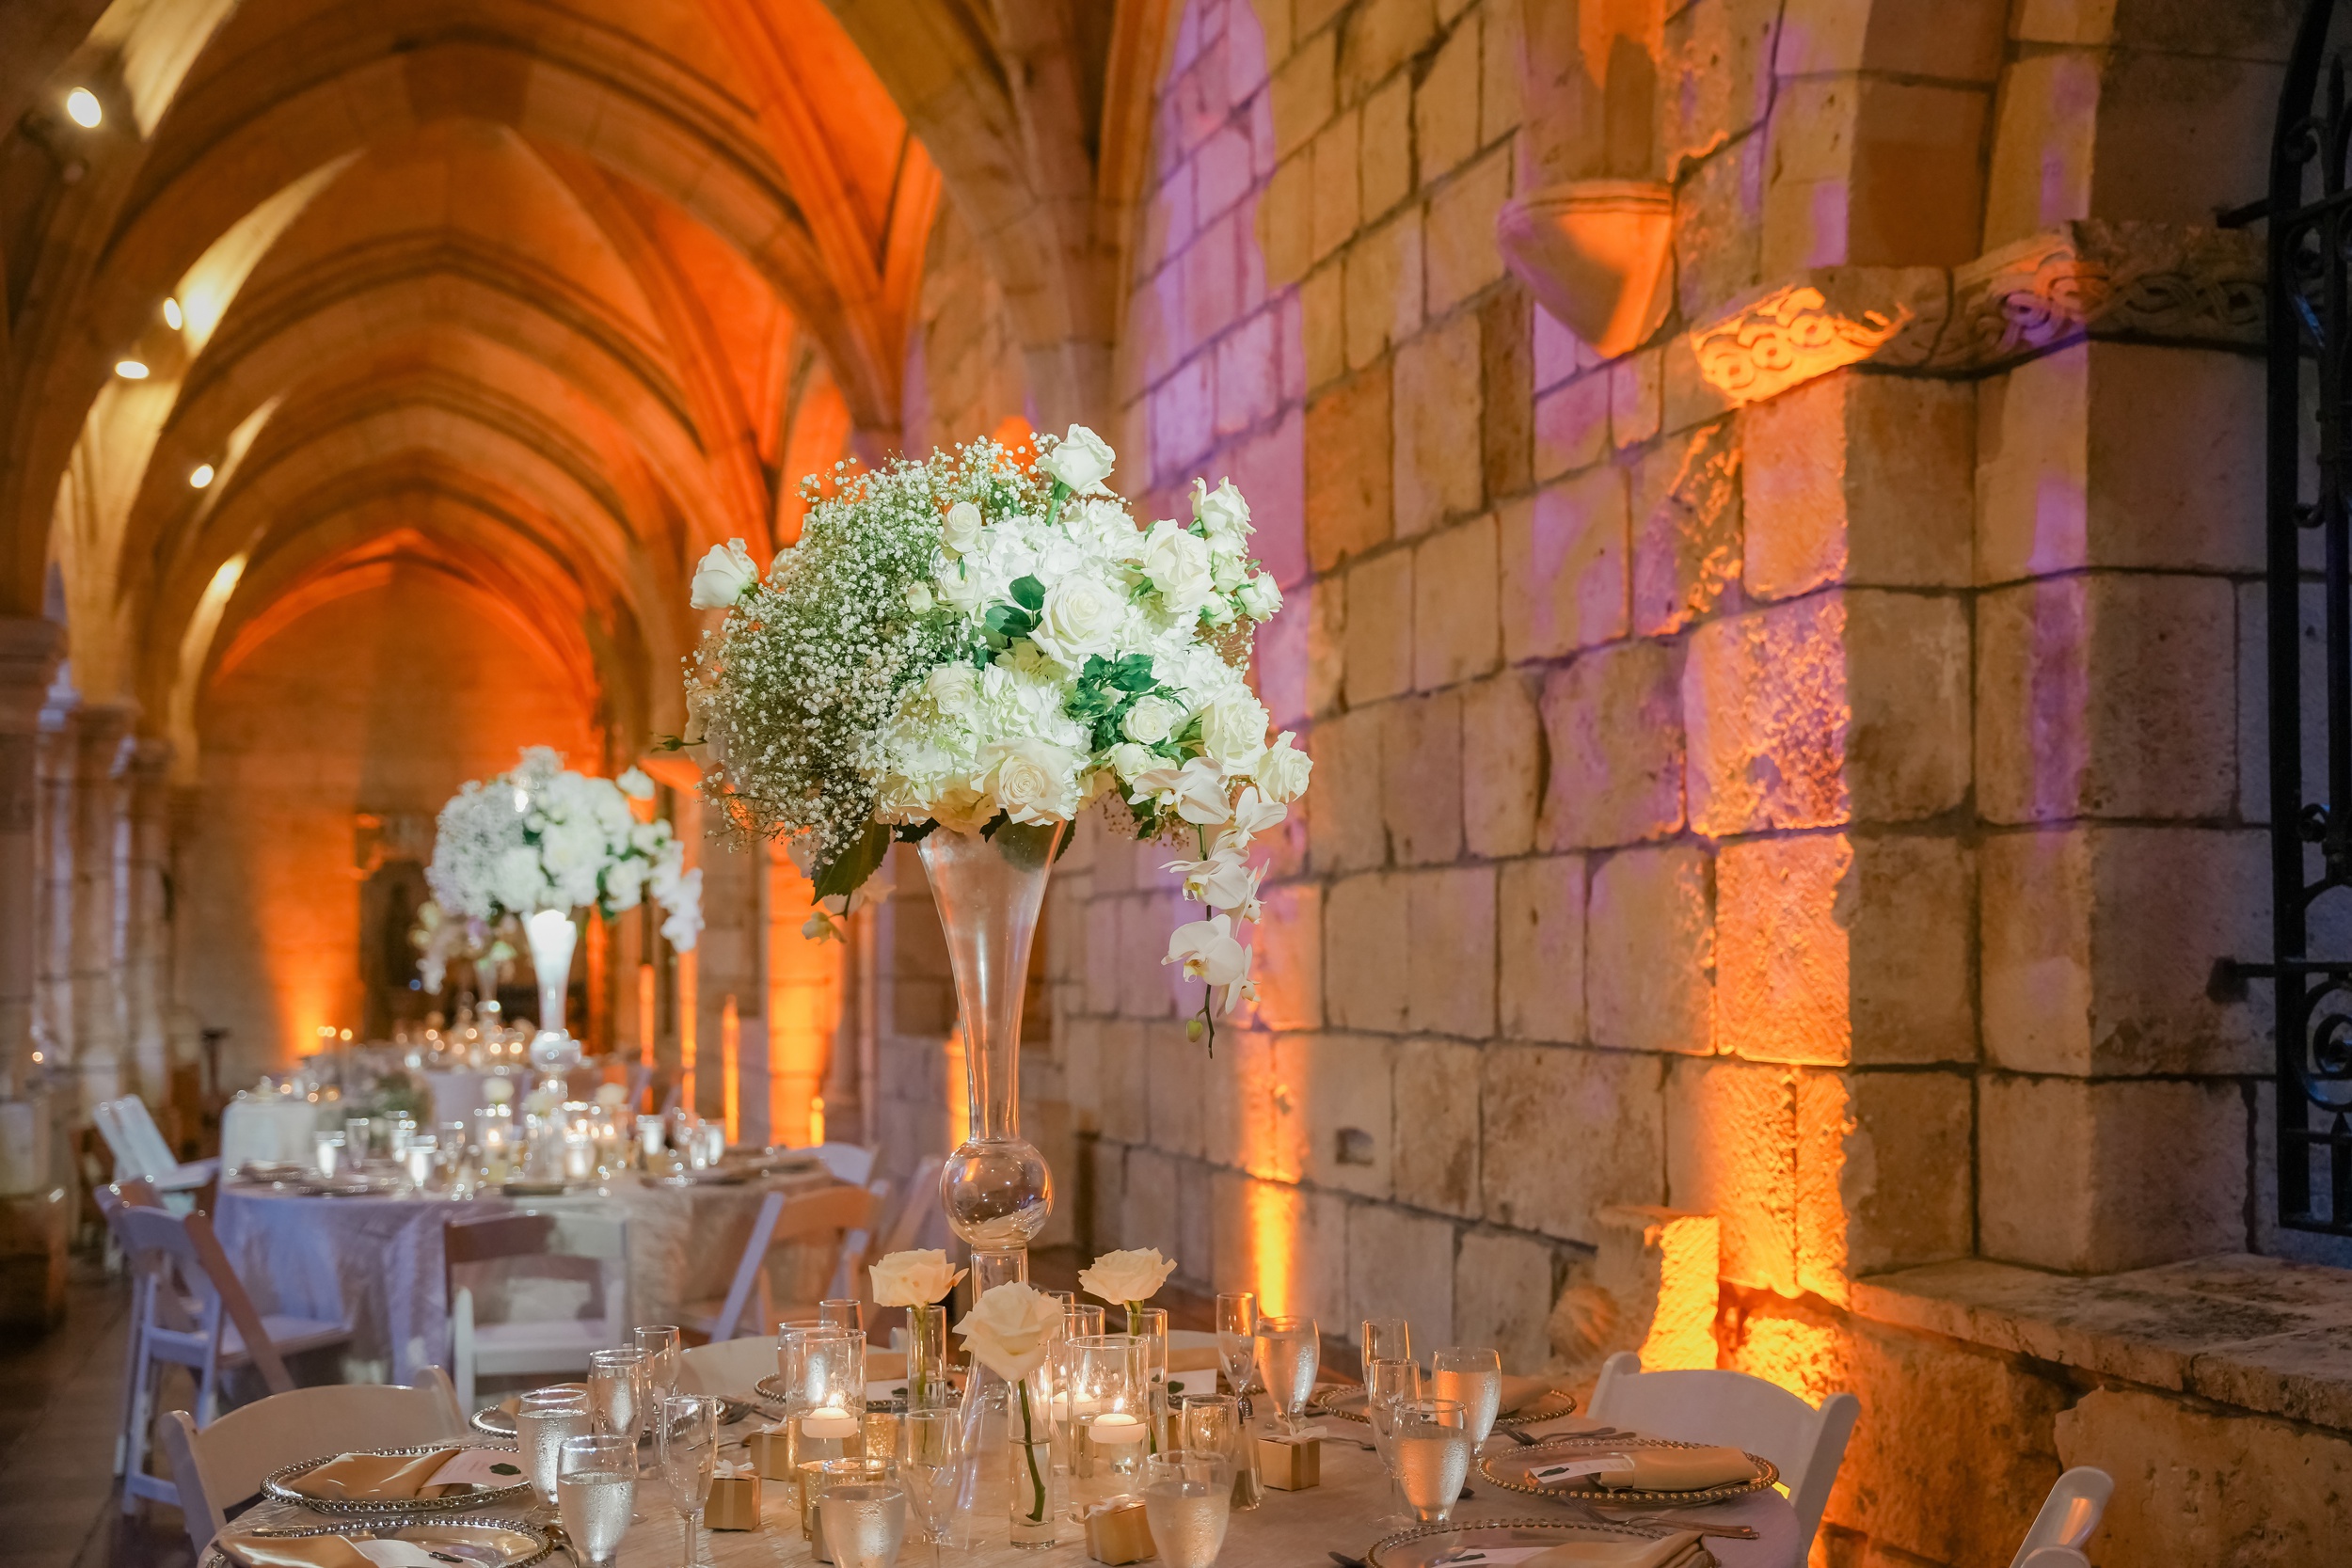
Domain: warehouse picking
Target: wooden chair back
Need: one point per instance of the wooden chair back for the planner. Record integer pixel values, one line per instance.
(822, 1219)
(1717, 1405)
(220, 1466)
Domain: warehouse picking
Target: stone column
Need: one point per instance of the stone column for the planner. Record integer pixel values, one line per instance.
(33, 1207)
(145, 951)
(82, 787)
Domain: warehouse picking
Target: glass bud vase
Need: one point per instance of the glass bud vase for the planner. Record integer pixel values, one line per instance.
(990, 892)
(553, 934)
(927, 1356)
(1029, 1467)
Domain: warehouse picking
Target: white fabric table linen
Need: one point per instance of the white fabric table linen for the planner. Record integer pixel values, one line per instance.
(267, 1127)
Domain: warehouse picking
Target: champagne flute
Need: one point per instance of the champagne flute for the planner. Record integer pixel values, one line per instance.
(1237, 1342)
(1472, 1375)
(933, 1437)
(659, 1342)
(686, 1432)
(1433, 1455)
(595, 1488)
(543, 1419)
(616, 1396)
(1387, 1339)
(1387, 1385)
(1187, 1501)
(1288, 1350)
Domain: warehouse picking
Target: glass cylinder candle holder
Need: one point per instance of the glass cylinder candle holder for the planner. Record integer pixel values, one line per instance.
(1148, 1326)
(326, 1150)
(648, 1137)
(495, 1137)
(1106, 1410)
(358, 1141)
(822, 1368)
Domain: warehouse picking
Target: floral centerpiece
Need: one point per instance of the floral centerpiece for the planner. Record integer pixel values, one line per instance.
(919, 1281)
(438, 937)
(967, 642)
(1008, 1330)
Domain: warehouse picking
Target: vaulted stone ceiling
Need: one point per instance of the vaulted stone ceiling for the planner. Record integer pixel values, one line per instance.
(541, 297)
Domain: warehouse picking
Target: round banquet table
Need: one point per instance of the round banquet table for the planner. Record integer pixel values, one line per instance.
(1291, 1529)
(377, 1262)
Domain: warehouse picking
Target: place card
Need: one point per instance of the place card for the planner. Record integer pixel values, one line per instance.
(493, 1468)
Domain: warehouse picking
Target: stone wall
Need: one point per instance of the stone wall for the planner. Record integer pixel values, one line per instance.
(1800, 770)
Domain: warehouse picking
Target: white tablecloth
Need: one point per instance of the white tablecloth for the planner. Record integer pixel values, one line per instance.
(273, 1127)
(378, 1262)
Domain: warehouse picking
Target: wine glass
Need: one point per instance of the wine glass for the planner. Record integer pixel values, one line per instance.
(618, 1396)
(1387, 1385)
(1237, 1342)
(1433, 1453)
(543, 1419)
(1187, 1501)
(596, 1489)
(1388, 1339)
(934, 1439)
(1288, 1350)
(687, 1434)
(1472, 1375)
(1213, 1422)
(864, 1519)
(659, 1342)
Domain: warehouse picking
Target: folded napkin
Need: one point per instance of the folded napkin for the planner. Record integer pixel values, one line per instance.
(373, 1474)
(324, 1551)
(1668, 1552)
(1518, 1393)
(1195, 1359)
(1680, 1470)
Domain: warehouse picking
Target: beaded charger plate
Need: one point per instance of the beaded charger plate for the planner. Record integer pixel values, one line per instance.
(458, 1539)
(1500, 1542)
(1346, 1402)
(1510, 1468)
(499, 1420)
(278, 1487)
(772, 1390)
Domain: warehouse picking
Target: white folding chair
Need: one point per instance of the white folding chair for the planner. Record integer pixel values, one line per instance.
(2069, 1517)
(726, 1366)
(850, 1162)
(849, 1277)
(532, 1345)
(132, 1193)
(919, 1204)
(193, 1313)
(1713, 1405)
(138, 1149)
(219, 1466)
(818, 1221)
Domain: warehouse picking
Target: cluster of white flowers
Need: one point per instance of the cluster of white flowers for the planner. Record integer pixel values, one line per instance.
(541, 837)
(965, 641)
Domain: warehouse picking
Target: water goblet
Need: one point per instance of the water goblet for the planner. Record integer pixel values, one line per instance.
(1289, 1351)
(543, 1419)
(1212, 1423)
(1387, 1385)
(686, 1433)
(1187, 1501)
(1433, 1453)
(595, 1488)
(1472, 1375)
(864, 1515)
(931, 1440)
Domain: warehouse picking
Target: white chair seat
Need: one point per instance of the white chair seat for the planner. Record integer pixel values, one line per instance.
(563, 1337)
(532, 1345)
(289, 1335)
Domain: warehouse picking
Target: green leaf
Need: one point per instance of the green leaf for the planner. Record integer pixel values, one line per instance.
(505, 1470)
(847, 871)
(1029, 594)
(915, 832)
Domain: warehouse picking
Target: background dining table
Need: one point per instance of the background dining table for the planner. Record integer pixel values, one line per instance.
(377, 1262)
(1291, 1529)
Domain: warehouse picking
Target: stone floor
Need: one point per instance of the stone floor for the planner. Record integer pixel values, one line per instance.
(59, 1503)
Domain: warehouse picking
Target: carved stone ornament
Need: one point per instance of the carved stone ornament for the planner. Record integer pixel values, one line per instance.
(2083, 279)
(1598, 254)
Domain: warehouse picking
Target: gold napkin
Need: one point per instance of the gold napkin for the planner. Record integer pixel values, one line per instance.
(1521, 1392)
(309, 1551)
(1666, 1553)
(373, 1474)
(1681, 1470)
(1200, 1358)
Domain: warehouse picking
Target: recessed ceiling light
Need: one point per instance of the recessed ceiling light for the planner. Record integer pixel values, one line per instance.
(172, 318)
(83, 108)
(131, 369)
(202, 475)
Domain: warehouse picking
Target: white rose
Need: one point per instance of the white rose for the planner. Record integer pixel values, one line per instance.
(1123, 1278)
(1259, 598)
(959, 591)
(954, 687)
(1032, 779)
(1008, 1329)
(1232, 729)
(1080, 460)
(1177, 563)
(1081, 617)
(1129, 759)
(961, 809)
(1282, 773)
(913, 1278)
(685, 922)
(918, 599)
(960, 534)
(635, 785)
(1221, 511)
(1207, 951)
(726, 574)
(1152, 721)
(612, 1094)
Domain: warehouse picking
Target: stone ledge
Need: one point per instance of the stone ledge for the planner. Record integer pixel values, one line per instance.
(2259, 1332)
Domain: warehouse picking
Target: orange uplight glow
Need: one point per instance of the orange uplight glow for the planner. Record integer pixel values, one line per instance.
(959, 1107)
(731, 1068)
(648, 1013)
(804, 979)
(1273, 1241)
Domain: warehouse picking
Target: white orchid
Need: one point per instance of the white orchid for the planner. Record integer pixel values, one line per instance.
(1208, 951)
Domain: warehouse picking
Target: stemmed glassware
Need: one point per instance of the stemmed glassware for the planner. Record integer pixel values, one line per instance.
(1472, 1375)
(1432, 1443)
(933, 1444)
(1187, 1501)
(1289, 1351)
(543, 1419)
(1238, 1343)
(659, 1342)
(617, 1397)
(1388, 1386)
(1212, 1424)
(687, 1436)
(1387, 1339)
(595, 1488)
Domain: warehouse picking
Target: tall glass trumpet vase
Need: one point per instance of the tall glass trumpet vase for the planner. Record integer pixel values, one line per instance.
(994, 1186)
(552, 935)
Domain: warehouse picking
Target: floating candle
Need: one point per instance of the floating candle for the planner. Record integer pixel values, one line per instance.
(1115, 1427)
(830, 1421)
